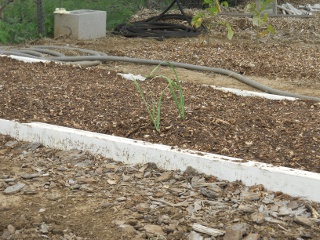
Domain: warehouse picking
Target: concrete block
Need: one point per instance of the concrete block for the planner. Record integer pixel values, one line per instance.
(80, 24)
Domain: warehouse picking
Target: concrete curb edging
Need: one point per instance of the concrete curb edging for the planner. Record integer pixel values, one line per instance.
(289, 181)
(246, 93)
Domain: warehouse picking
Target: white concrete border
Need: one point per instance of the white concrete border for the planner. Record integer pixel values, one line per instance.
(246, 93)
(290, 181)
(24, 59)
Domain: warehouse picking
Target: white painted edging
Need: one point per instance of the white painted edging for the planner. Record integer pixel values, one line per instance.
(246, 93)
(24, 59)
(293, 182)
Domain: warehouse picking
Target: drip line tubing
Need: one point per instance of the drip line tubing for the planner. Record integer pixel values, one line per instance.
(93, 58)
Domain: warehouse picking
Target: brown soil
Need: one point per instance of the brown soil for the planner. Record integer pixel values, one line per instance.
(279, 132)
(284, 133)
(74, 195)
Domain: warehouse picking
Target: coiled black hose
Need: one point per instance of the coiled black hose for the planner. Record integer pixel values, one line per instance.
(156, 27)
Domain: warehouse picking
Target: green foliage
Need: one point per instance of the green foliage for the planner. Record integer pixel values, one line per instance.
(213, 8)
(4, 32)
(19, 21)
(260, 19)
(175, 89)
(154, 107)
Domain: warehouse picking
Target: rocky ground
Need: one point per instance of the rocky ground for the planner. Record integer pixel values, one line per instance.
(51, 194)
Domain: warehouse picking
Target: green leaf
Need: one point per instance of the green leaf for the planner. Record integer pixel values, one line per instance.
(249, 7)
(271, 29)
(196, 22)
(215, 10)
(256, 21)
(157, 124)
(224, 4)
(230, 33)
(263, 33)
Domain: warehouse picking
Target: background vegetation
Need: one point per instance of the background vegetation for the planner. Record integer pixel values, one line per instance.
(19, 19)
(22, 20)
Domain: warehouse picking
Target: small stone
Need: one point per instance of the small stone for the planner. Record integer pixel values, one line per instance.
(29, 175)
(11, 144)
(236, 231)
(126, 178)
(305, 234)
(6, 234)
(303, 221)
(22, 222)
(29, 191)
(111, 182)
(250, 196)
(252, 236)
(272, 220)
(274, 208)
(57, 229)
(99, 170)
(164, 177)
(75, 187)
(54, 196)
(191, 172)
(194, 236)
(152, 165)
(106, 205)
(284, 211)
(170, 228)
(62, 168)
(8, 180)
(164, 219)
(257, 217)
(143, 208)
(128, 229)
(209, 193)
(153, 230)
(139, 175)
(246, 208)
(41, 210)
(251, 65)
(14, 189)
(11, 229)
(71, 181)
(293, 205)
(121, 199)
(90, 180)
(44, 228)
(232, 234)
(132, 222)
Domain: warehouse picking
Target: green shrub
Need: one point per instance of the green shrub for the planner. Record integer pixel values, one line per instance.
(20, 17)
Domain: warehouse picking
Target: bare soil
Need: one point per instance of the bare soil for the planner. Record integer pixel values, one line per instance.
(283, 133)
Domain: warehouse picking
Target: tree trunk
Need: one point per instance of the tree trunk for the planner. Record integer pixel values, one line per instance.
(4, 4)
(40, 16)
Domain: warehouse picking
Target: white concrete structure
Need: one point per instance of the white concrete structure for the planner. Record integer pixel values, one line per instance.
(80, 24)
(293, 182)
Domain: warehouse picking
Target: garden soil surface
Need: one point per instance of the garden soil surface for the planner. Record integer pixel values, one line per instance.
(283, 133)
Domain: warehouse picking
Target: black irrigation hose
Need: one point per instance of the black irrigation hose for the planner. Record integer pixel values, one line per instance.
(156, 28)
(94, 58)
